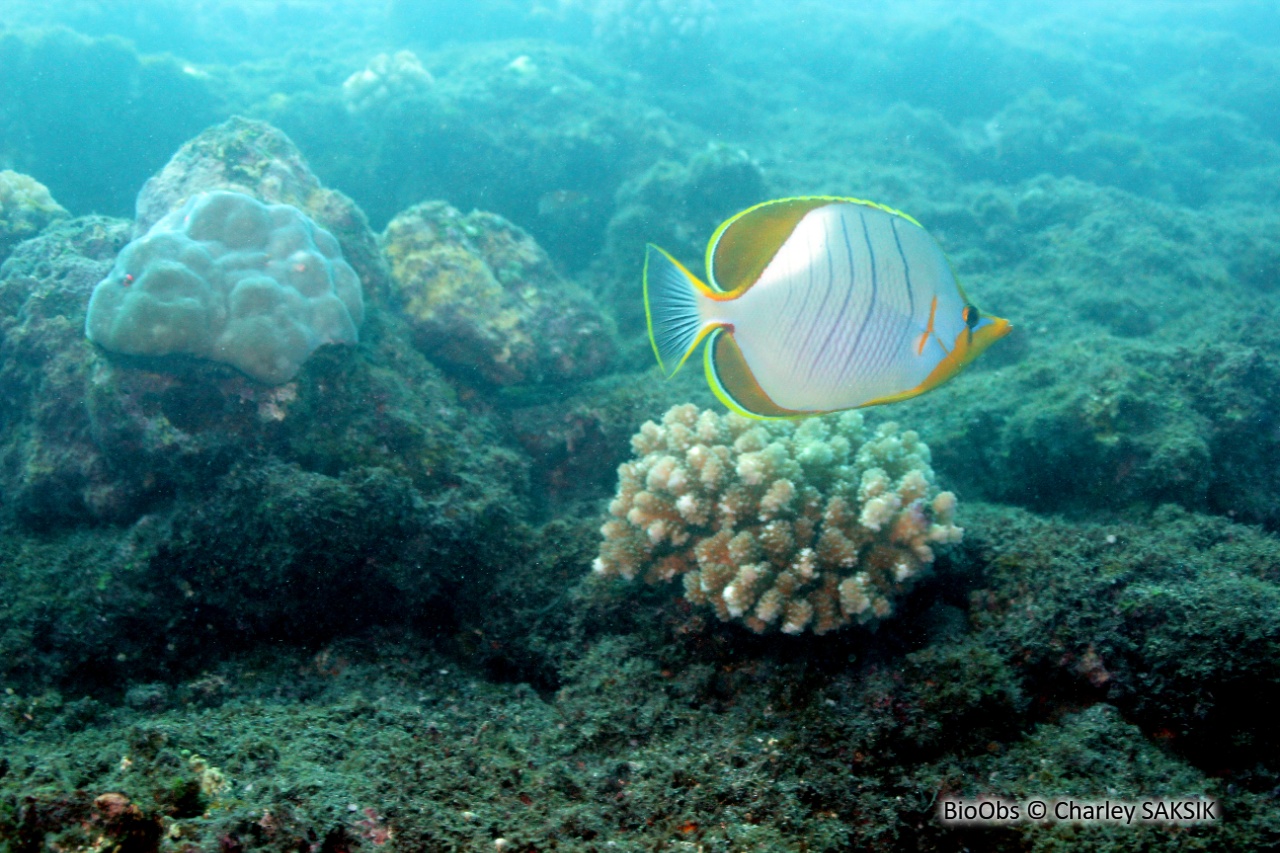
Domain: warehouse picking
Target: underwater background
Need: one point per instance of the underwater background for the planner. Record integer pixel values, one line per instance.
(335, 591)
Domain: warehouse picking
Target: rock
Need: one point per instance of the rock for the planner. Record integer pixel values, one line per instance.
(484, 300)
(26, 207)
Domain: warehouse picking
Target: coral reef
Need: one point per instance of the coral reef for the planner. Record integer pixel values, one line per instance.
(229, 279)
(1121, 423)
(50, 468)
(777, 525)
(90, 117)
(504, 125)
(91, 438)
(387, 78)
(315, 615)
(485, 300)
(25, 209)
(676, 204)
(652, 34)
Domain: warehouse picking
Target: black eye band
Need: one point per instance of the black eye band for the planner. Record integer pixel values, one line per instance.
(971, 317)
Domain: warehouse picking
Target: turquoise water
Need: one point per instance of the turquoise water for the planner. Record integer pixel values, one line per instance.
(286, 566)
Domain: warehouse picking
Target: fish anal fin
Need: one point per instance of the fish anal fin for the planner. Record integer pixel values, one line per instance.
(731, 379)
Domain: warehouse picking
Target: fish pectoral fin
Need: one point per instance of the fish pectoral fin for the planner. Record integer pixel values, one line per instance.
(923, 341)
(929, 332)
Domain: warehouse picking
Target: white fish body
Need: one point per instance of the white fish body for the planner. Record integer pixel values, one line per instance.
(815, 305)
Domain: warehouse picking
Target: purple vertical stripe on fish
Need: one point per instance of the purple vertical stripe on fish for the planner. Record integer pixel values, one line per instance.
(906, 270)
(854, 355)
(877, 345)
(810, 348)
(791, 343)
(838, 323)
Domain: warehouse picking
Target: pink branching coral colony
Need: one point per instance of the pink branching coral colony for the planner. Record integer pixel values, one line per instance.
(778, 525)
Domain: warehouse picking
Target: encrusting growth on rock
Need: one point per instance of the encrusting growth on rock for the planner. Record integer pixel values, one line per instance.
(777, 525)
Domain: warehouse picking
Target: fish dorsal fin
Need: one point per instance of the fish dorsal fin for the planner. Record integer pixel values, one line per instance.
(745, 244)
(732, 381)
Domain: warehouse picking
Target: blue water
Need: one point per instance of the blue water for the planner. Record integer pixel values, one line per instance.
(348, 605)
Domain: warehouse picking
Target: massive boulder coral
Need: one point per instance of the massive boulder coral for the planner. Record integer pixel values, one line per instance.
(484, 299)
(229, 279)
(776, 525)
(252, 157)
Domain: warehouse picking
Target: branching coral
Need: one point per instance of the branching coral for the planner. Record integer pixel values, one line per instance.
(777, 525)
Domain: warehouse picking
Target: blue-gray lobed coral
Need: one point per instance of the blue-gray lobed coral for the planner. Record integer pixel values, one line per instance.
(230, 279)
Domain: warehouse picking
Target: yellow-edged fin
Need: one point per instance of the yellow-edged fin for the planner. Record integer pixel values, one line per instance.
(732, 381)
(744, 244)
(968, 346)
(671, 295)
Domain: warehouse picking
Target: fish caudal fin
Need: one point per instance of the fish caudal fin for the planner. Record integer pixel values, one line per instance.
(672, 306)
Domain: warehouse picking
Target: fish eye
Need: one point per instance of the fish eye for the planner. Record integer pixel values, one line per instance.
(971, 317)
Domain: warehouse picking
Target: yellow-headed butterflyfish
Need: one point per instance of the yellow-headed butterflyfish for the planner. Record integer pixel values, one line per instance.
(816, 304)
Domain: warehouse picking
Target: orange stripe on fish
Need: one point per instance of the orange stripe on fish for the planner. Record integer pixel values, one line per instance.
(924, 336)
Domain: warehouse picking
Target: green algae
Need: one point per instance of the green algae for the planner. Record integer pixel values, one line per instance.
(647, 728)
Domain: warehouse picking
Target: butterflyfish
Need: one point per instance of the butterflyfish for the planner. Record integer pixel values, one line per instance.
(814, 305)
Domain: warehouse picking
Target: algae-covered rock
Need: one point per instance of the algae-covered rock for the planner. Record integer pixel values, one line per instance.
(26, 207)
(1117, 424)
(484, 299)
(50, 468)
(503, 125)
(1173, 618)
